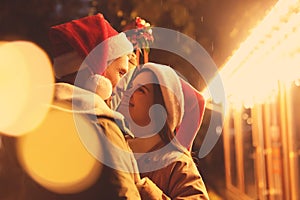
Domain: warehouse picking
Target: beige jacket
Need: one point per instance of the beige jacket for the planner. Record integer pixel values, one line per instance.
(167, 173)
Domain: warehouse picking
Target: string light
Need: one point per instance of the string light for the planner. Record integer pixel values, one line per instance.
(270, 54)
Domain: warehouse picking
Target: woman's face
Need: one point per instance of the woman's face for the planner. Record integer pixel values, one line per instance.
(142, 98)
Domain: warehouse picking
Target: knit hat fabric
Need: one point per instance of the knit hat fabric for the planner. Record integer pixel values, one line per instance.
(84, 35)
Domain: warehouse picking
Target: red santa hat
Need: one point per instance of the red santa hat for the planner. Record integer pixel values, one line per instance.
(90, 36)
(194, 104)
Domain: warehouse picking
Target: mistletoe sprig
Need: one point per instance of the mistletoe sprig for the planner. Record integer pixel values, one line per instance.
(142, 36)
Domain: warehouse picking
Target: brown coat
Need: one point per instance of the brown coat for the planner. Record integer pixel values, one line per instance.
(178, 179)
(111, 183)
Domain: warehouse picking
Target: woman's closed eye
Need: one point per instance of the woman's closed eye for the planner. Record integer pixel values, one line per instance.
(140, 89)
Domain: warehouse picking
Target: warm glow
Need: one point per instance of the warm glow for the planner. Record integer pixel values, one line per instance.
(270, 54)
(54, 156)
(26, 86)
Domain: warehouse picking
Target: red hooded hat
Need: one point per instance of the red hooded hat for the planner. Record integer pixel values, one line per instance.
(194, 104)
(91, 38)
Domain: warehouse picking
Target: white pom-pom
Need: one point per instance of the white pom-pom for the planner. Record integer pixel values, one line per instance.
(100, 85)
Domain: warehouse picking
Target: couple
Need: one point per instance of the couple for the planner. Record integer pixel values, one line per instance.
(153, 105)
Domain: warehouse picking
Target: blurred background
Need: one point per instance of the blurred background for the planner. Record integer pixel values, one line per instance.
(219, 26)
(257, 155)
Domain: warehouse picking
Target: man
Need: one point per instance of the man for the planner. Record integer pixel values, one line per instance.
(89, 53)
(86, 51)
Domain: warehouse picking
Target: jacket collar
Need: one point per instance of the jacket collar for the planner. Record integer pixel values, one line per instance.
(144, 145)
(83, 101)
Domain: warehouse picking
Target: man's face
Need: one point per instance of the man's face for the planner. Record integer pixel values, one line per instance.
(116, 70)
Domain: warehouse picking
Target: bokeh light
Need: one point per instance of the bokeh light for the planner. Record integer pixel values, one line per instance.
(54, 156)
(26, 86)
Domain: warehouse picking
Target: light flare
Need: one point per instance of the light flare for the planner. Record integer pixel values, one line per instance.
(54, 155)
(270, 55)
(26, 86)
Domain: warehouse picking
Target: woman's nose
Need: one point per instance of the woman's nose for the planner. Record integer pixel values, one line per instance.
(131, 97)
(128, 96)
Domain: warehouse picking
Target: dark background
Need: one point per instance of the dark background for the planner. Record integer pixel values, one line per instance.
(218, 25)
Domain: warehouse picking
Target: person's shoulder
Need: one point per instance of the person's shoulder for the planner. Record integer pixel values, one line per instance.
(107, 121)
(110, 129)
(109, 124)
(184, 162)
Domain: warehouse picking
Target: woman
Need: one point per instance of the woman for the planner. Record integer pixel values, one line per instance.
(153, 107)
